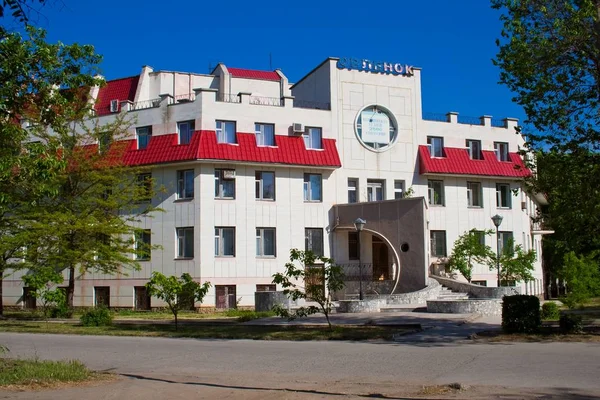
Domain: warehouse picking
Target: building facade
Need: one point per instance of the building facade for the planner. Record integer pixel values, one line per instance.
(252, 166)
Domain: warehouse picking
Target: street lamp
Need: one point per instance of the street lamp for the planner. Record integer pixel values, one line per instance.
(359, 224)
(497, 220)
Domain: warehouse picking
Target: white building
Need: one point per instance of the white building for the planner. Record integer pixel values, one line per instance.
(253, 166)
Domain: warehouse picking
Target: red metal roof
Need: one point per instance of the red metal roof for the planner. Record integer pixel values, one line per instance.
(118, 89)
(254, 74)
(458, 162)
(289, 150)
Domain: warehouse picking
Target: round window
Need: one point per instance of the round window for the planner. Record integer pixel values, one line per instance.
(376, 128)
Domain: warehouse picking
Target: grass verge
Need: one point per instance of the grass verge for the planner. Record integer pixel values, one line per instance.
(547, 334)
(229, 331)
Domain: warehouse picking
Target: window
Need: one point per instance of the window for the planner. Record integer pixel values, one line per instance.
(375, 190)
(501, 149)
(436, 146)
(185, 242)
(102, 296)
(313, 240)
(225, 242)
(104, 141)
(353, 246)
(266, 288)
(225, 183)
(505, 238)
(480, 235)
(265, 134)
(265, 242)
(480, 283)
(352, 190)
(438, 243)
(141, 298)
(143, 245)
(265, 185)
(312, 187)
(312, 138)
(185, 184)
(186, 130)
(474, 194)
(436, 193)
(226, 132)
(474, 149)
(225, 297)
(144, 182)
(398, 189)
(144, 134)
(503, 195)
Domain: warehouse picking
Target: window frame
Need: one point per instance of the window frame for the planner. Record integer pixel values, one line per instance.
(501, 149)
(353, 240)
(143, 234)
(220, 241)
(431, 141)
(504, 238)
(259, 190)
(481, 235)
(261, 136)
(471, 151)
(147, 135)
(220, 133)
(499, 196)
(260, 242)
(309, 239)
(470, 197)
(307, 192)
(400, 191)
(353, 190)
(431, 190)
(433, 242)
(182, 186)
(182, 239)
(219, 179)
(144, 180)
(191, 128)
(375, 184)
(309, 138)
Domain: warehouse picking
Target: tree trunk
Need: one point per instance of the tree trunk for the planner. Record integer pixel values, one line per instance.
(1, 293)
(175, 314)
(71, 287)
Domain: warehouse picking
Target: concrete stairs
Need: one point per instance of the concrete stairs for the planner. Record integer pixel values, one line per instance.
(447, 294)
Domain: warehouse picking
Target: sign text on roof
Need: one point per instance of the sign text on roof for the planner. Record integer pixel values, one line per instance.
(376, 67)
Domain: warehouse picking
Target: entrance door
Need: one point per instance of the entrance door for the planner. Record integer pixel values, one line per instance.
(142, 300)
(380, 260)
(225, 296)
(29, 300)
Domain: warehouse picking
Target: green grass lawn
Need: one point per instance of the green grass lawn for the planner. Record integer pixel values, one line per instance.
(220, 331)
(15, 372)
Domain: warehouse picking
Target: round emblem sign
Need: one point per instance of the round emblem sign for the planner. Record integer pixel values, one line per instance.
(376, 128)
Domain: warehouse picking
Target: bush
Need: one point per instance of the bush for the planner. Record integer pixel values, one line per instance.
(521, 314)
(99, 316)
(550, 311)
(570, 323)
(61, 311)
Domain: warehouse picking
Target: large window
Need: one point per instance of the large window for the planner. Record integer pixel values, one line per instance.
(312, 187)
(501, 149)
(474, 149)
(265, 242)
(265, 134)
(265, 185)
(313, 240)
(474, 194)
(226, 132)
(398, 189)
(352, 190)
(143, 133)
(225, 184)
(436, 193)
(102, 296)
(375, 190)
(438, 243)
(312, 138)
(353, 246)
(185, 130)
(480, 235)
(144, 182)
(185, 242)
(225, 242)
(505, 238)
(185, 184)
(436, 146)
(503, 195)
(143, 244)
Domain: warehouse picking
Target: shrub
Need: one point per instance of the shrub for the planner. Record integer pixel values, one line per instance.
(61, 311)
(570, 323)
(550, 311)
(521, 314)
(99, 316)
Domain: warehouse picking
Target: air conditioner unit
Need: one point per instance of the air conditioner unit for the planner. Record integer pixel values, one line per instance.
(523, 205)
(229, 174)
(114, 106)
(297, 128)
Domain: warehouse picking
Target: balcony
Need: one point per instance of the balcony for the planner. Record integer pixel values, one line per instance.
(539, 226)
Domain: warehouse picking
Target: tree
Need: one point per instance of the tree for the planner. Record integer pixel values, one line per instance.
(582, 277)
(178, 293)
(43, 284)
(19, 9)
(316, 279)
(470, 248)
(515, 263)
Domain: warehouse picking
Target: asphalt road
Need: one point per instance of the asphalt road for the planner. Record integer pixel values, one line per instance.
(276, 364)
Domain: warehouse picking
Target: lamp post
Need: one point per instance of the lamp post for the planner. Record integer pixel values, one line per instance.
(359, 224)
(497, 220)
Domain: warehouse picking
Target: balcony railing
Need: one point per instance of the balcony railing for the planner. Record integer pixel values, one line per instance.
(498, 123)
(435, 117)
(184, 98)
(538, 224)
(229, 98)
(142, 105)
(463, 119)
(266, 101)
(315, 105)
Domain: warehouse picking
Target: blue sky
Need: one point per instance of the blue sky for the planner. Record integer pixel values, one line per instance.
(453, 42)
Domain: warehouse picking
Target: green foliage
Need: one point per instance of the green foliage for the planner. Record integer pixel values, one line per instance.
(248, 315)
(516, 264)
(97, 316)
(20, 10)
(41, 372)
(316, 279)
(582, 276)
(571, 323)
(521, 314)
(468, 250)
(178, 293)
(53, 300)
(550, 311)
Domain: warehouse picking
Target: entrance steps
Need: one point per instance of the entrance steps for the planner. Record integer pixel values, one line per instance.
(404, 308)
(447, 294)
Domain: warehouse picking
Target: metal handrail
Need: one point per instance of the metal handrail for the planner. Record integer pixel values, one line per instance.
(229, 98)
(184, 98)
(435, 117)
(142, 105)
(315, 105)
(463, 119)
(499, 122)
(266, 101)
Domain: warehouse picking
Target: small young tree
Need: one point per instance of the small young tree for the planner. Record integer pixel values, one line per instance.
(516, 264)
(178, 293)
(319, 281)
(582, 277)
(470, 248)
(43, 284)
